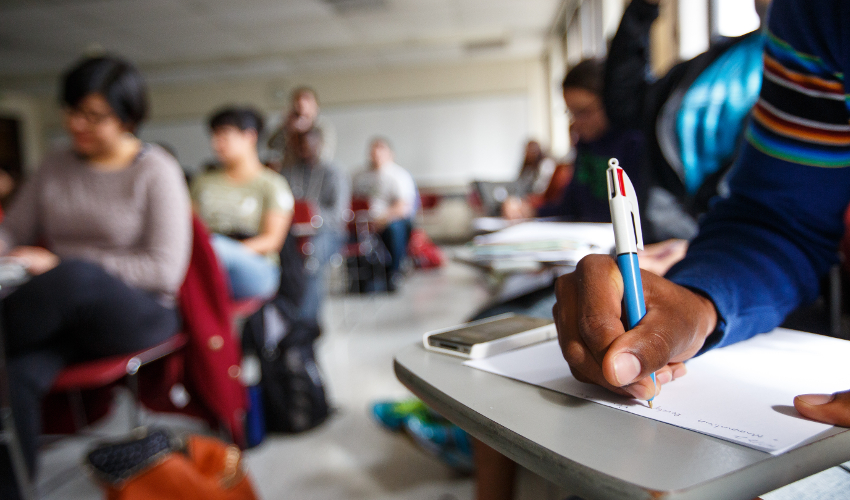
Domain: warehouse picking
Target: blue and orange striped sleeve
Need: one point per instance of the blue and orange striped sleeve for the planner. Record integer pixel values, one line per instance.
(763, 248)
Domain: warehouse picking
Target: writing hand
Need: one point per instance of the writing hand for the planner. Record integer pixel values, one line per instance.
(36, 259)
(590, 321)
(828, 408)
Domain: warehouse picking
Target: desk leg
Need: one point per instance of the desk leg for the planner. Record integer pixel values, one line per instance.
(495, 474)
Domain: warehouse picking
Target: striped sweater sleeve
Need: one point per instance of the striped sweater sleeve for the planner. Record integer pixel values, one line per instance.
(762, 250)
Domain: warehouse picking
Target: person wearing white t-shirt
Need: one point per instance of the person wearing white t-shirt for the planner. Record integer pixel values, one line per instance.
(391, 192)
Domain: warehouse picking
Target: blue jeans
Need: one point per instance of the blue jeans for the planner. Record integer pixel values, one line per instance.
(325, 244)
(396, 236)
(250, 274)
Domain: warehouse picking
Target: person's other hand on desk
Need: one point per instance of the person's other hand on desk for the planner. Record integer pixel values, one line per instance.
(514, 208)
(660, 257)
(590, 323)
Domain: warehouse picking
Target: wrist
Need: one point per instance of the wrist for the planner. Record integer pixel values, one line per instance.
(708, 316)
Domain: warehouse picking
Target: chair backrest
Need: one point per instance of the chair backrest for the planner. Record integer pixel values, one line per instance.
(303, 211)
(359, 204)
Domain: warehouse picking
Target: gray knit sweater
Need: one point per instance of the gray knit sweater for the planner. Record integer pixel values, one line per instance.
(134, 222)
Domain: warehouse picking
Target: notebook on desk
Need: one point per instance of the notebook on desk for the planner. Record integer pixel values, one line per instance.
(741, 393)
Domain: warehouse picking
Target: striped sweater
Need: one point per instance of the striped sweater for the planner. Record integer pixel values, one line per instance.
(762, 249)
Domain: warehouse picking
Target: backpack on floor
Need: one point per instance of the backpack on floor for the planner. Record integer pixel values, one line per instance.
(293, 393)
(424, 253)
(367, 265)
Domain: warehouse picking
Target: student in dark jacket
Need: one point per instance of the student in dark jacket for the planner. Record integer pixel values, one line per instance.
(596, 139)
(692, 118)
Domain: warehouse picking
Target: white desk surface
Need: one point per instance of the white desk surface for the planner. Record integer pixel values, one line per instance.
(600, 452)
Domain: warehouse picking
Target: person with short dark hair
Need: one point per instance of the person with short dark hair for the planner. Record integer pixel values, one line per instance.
(113, 216)
(596, 140)
(246, 206)
(327, 191)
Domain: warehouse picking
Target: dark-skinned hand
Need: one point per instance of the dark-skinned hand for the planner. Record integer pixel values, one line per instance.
(590, 320)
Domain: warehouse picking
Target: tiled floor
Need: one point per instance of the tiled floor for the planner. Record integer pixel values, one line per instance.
(348, 457)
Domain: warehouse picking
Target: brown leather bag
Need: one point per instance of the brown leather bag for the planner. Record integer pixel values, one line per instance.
(159, 467)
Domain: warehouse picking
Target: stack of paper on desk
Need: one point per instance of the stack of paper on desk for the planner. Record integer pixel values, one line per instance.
(742, 393)
(545, 242)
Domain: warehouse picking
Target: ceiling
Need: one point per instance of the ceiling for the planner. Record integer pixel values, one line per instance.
(176, 40)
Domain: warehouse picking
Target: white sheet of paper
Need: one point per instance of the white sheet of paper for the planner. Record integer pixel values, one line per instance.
(742, 393)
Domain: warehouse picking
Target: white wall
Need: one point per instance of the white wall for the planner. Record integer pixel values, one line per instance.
(441, 142)
(444, 142)
(448, 123)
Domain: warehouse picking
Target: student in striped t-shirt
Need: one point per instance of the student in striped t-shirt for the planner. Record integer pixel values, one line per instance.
(762, 250)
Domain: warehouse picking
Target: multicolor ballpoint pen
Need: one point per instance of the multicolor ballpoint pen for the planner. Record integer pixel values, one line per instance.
(623, 203)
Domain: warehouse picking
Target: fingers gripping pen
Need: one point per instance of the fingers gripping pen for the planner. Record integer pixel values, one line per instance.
(625, 215)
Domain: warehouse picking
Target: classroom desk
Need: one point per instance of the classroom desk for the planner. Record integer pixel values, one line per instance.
(599, 452)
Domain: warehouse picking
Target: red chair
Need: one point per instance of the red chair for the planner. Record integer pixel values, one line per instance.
(305, 223)
(244, 308)
(106, 371)
(201, 295)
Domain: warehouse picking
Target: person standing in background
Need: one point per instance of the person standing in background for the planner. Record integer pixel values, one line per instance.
(327, 191)
(302, 115)
(391, 192)
(247, 206)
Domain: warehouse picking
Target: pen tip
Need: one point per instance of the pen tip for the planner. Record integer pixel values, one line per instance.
(650, 404)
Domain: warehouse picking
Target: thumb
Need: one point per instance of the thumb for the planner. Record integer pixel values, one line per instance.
(827, 408)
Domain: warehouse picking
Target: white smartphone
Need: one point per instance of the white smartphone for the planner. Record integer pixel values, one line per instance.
(486, 337)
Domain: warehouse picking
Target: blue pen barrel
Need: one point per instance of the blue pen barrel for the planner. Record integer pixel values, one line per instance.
(633, 288)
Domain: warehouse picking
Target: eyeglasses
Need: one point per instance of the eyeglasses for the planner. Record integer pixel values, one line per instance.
(584, 113)
(92, 118)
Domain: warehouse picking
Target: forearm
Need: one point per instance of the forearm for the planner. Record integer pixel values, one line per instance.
(627, 65)
(158, 271)
(398, 210)
(270, 240)
(755, 271)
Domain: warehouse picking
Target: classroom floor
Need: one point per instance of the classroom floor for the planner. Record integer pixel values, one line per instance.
(349, 456)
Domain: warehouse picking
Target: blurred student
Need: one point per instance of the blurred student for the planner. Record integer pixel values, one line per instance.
(302, 115)
(114, 217)
(391, 193)
(327, 191)
(535, 173)
(246, 206)
(693, 119)
(596, 139)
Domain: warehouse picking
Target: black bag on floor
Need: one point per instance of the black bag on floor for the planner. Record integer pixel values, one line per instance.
(294, 397)
(367, 271)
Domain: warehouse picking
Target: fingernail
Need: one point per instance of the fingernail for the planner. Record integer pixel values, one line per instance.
(626, 368)
(663, 377)
(816, 399)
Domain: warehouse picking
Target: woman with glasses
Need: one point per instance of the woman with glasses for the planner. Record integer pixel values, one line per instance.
(103, 227)
(596, 140)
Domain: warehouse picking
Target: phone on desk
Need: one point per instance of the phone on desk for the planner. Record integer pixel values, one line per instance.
(490, 336)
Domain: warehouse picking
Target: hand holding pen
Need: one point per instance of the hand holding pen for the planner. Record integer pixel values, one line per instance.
(599, 347)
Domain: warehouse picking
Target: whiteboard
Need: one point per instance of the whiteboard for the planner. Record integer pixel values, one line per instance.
(441, 142)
